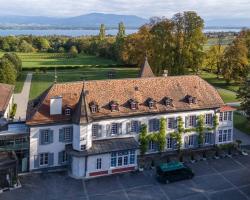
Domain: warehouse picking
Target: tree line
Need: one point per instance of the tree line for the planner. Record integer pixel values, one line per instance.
(10, 68)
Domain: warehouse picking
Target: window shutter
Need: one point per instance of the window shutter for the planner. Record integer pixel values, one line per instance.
(186, 141)
(61, 135)
(36, 161)
(51, 159)
(50, 136)
(128, 127)
(195, 121)
(196, 141)
(41, 137)
(139, 127)
(60, 157)
(175, 123)
(150, 127)
(120, 128)
(186, 122)
(99, 130)
(212, 138)
(108, 129)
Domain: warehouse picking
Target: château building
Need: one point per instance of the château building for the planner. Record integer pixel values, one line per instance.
(93, 127)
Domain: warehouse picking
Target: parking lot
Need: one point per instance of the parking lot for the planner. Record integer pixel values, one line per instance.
(227, 178)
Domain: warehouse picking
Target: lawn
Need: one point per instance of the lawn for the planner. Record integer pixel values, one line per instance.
(31, 60)
(241, 123)
(42, 81)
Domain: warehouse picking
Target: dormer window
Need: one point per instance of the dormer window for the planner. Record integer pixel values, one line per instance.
(67, 111)
(168, 101)
(93, 107)
(151, 103)
(190, 99)
(133, 104)
(114, 106)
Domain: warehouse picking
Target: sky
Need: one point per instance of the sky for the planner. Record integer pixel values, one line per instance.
(208, 9)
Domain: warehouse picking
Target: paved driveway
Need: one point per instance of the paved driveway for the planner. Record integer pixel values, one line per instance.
(227, 179)
(22, 99)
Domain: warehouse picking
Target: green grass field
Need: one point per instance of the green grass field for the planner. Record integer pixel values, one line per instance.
(241, 123)
(60, 60)
(42, 81)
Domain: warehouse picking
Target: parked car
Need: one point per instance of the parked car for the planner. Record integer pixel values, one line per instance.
(173, 171)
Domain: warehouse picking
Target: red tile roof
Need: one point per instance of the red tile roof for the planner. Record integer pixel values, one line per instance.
(6, 92)
(79, 95)
(227, 108)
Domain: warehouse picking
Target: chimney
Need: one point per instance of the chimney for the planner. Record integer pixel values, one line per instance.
(56, 105)
(165, 73)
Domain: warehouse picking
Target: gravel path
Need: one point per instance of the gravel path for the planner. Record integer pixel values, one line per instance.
(22, 99)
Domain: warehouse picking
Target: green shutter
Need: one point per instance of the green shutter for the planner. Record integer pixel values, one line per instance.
(41, 137)
(51, 159)
(108, 129)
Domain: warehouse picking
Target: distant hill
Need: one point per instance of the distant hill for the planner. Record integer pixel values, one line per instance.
(228, 22)
(92, 20)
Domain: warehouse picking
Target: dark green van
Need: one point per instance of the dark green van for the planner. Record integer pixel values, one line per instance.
(173, 171)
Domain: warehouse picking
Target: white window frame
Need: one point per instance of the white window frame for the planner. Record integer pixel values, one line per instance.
(209, 119)
(208, 138)
(135, 126)
(169, 143)
(192, 121)
(191, 140)
(67, 133)
(114, 129)
(67, 111)
(119, 158)
(99, 163)
(95, 130)
(46, 136)
(44, 157)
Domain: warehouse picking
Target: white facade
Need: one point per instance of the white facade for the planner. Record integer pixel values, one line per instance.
(8, 109)
(85, 167)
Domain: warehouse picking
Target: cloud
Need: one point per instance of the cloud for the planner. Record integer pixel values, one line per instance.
(208, 9)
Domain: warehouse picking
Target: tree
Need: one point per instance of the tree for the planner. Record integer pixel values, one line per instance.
(244, 96)
(73, 51)
(8, 72)
(121, 31)
(26, 47)
(42, 44)
(162, 135)
(214, 59)
(235, 61)
(16, 62)
(102, 33)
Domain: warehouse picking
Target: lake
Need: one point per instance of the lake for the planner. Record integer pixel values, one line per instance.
(75, 33)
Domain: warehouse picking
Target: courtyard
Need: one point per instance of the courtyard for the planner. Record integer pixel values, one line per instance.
(226, 178)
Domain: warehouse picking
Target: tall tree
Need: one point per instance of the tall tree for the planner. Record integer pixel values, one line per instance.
(8, 73)
(235, 61)
(121, 31)
(14, 59)
(102, 33)
(244, 95)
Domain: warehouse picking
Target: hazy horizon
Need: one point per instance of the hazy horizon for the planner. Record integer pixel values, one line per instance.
(209, 10)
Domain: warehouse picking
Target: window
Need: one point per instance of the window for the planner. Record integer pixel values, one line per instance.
(135, 126)
(98, 163)
(152, 146)
(225, 116)
(46, 136)
(229, 135)
(122, 158)
(191, 121)
(67, 133)
(151, 103)
(114, 106)
(93, 108)
(114, 129)
(67, 111)
(95, 130)
(224, 137)
(168, 101)
(133, 104)
(191, 140)
(221, 117)
(209, 119)
(154, 125)
(44, 159)
(169, 143)
(63, 157)
(220, 135)
(83, 147)
(208, 138)
(172, 123)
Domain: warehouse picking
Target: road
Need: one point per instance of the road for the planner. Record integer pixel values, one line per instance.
(22, 99)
